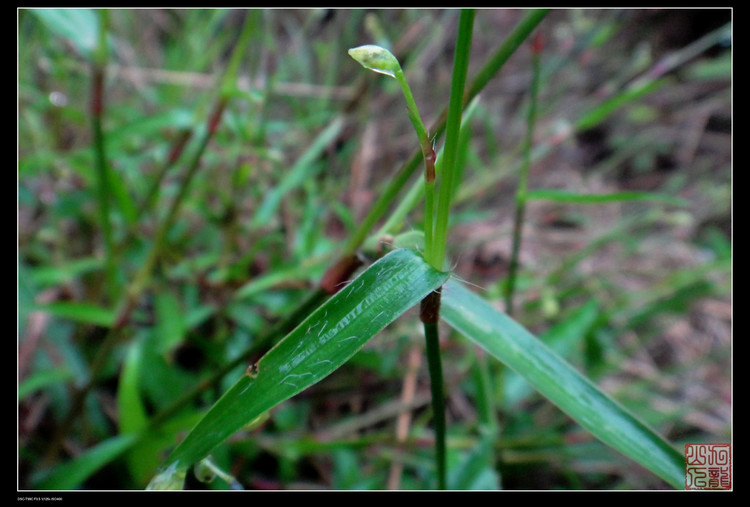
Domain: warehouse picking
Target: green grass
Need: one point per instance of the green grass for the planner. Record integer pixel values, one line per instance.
(221, 262)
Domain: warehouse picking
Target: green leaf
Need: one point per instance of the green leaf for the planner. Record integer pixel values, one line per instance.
(144, 456)
(323, 342)
(71, 474)
(170, 325)
(46, 276)
(132, 411)
(40, 380)
(576, 198)
(559, 382)
(563, 338)
(602, 111)
(81, 26)
(302, 169)
(85, 313)
(476, 470)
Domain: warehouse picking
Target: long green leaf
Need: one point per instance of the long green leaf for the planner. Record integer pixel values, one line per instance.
(319, 345)
(577, 198)
(40, 380)
(562, 339)
(602, 111)
(85, 313)
(559, 382)
(71, 474)
(144, 455)
(301, 170)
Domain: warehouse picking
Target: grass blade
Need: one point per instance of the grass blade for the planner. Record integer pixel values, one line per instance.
(578, 198)
(85, 313)
(143, 457)
(72, 474)
(301, 170)
(449, 179)
(319, 345)
(518, 219)
(42, 379)
(602, 111)
(564, 339)
(560, 383)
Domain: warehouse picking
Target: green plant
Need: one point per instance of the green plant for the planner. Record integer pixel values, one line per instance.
(349, 319)
(279, 335)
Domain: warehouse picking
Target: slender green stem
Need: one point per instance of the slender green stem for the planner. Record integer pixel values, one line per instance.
(429, 215)
(430, 314)
(414, 116)
(428, 154)
(404, 174)
(104, 186)
(513, 268)
(417, 191)
(174, 154)
(231, 73)
(435, 249)
(453, 127)
(521, 193)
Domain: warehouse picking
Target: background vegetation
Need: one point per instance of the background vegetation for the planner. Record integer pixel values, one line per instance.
(634, 291)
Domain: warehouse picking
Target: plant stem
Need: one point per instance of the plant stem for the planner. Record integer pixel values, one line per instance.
(428, 154)
(104, 184)
(453, 127)
(488, 70)
(98, 65)
(417, 191)
(174, 154)
(429, 214)
(430, 314)
(435, 249)
(521, 193)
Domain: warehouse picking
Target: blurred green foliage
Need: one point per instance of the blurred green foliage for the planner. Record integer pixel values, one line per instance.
(634, 292)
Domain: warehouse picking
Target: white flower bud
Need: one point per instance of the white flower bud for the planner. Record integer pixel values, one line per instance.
(376, 58)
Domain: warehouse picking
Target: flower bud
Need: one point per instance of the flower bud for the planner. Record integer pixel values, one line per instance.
(376, 58)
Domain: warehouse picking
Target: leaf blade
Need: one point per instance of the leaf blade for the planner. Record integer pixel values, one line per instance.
(79, 25)
(71, 474)
(559, 382)
(81, 312)
(297, 174)
(319, 345)
(578, 198)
